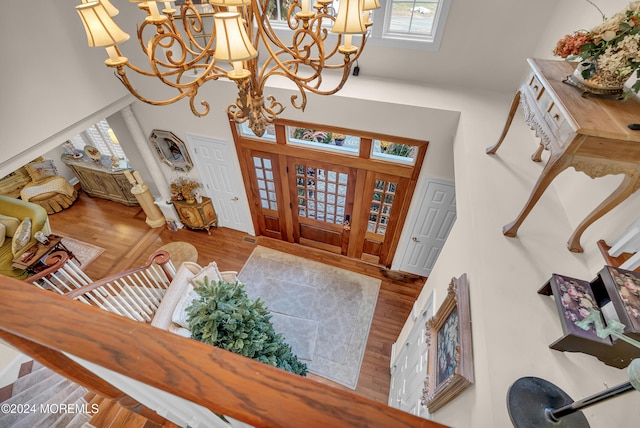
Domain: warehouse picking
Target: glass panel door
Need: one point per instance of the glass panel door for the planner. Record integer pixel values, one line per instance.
(322, 196)
(267, 194)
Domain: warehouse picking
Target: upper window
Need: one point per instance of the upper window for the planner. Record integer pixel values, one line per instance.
(394, 152)
(323, 140)
(102, 137)
(269, 132)
(410, 23)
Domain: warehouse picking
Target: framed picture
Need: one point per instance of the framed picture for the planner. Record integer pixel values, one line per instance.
(450, 358)
(623, 288)
(171, 150)
(574, 300)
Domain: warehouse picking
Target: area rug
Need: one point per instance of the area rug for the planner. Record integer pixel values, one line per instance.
(84, 252)
(323, 312)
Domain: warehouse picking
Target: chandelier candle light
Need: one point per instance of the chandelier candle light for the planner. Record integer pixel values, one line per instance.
(184, 53)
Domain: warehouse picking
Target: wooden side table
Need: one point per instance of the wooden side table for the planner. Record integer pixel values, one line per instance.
(589, 134)
(197, 215)
(32, 257)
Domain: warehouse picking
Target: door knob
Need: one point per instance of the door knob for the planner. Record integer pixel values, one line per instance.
(414, 239)
(235, 198)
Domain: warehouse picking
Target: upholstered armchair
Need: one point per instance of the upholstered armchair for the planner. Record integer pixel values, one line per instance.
(49, 190)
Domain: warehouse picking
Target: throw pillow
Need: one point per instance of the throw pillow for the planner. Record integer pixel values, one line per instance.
(11, 224)
(41, 170)
(3, 234)
(210, 271)
(179, 315)
(22, 236)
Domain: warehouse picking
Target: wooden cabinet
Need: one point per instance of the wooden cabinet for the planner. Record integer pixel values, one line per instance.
(197, 215)
(99, 179)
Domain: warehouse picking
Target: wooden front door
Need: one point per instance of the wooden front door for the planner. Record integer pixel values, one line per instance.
(322, 203)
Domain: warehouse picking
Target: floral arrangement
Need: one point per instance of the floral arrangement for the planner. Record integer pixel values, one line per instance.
(610, 52)
(183, 189)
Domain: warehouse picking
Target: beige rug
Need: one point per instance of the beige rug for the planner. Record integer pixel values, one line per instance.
(84, 252)
(323, 312)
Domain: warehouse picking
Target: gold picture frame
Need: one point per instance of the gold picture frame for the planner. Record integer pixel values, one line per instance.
(171, 150)
(450, 357)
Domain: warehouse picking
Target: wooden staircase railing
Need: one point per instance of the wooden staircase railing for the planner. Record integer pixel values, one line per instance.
(135, 293)
(221, 381)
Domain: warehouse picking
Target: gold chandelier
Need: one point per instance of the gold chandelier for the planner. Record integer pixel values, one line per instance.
(185, 53)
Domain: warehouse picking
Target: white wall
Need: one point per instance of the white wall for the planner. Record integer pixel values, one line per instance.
(483, 46)
(512, 324)
(49, 83)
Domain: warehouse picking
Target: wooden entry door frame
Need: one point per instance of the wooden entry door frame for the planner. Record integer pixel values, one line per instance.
(381, 189)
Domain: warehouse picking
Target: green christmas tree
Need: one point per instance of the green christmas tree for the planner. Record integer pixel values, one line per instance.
(226, 317)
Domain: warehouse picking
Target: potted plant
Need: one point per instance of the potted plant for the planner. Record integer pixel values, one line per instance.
(226, 317)
(184, 189)
(338, 139)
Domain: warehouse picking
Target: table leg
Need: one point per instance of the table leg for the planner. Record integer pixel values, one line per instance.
(537, 156)
(628, 186)
(554, 166)
(514, 106)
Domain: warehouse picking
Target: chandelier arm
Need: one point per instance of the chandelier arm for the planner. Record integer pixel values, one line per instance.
(287, 66)
(177, 71)
(174, 38)
(195, 24)
(290, 68)
(179, 65)
(265, 30)
(189, 92)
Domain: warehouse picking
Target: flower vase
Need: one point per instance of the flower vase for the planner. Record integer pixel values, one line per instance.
(601, 82)
(339, 141)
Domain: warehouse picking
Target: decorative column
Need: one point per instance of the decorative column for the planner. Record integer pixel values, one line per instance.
(153, 167)
(147, 154)
(141, 191)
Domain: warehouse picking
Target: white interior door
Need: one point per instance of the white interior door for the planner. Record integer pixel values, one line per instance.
(434, 221)
(409, 370)
(219, 169)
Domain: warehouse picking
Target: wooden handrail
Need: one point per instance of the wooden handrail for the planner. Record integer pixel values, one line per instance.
(55, 261)
(221, 381)
(160, 257)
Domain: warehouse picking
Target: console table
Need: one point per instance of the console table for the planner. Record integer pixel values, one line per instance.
(101, 180)
(587, 133)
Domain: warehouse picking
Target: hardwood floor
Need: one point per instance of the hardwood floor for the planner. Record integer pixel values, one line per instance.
(128, 241)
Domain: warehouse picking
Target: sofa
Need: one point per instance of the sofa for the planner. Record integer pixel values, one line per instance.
(171, 314)
(12, 210)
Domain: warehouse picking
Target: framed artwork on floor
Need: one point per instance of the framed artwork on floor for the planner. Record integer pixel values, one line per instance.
(171, 150)
(450, 357)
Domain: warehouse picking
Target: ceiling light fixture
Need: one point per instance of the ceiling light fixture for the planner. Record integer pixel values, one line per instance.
(184, 52)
